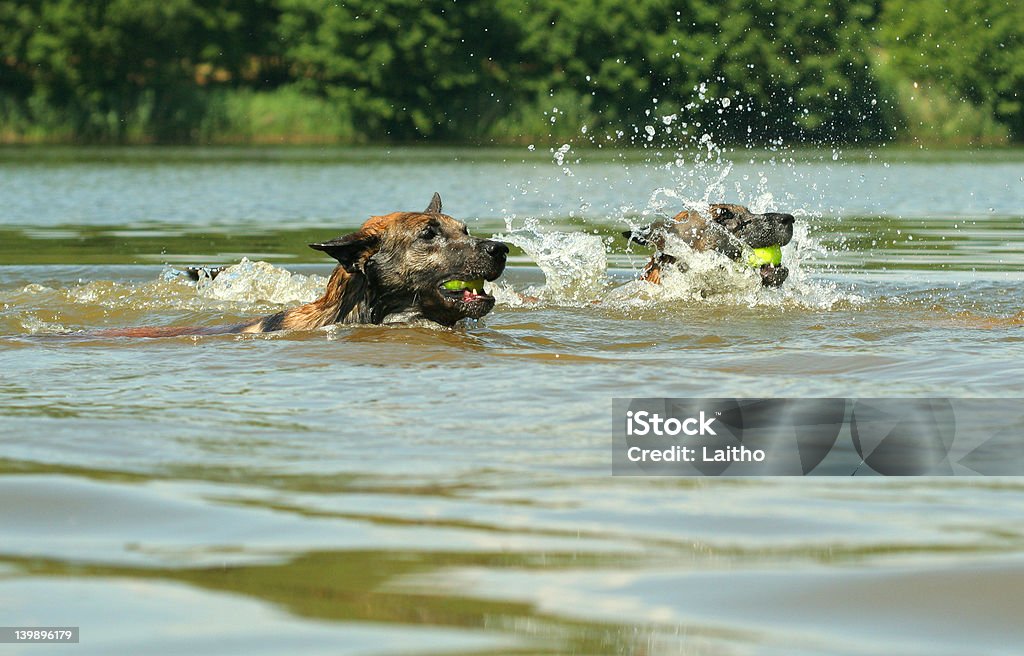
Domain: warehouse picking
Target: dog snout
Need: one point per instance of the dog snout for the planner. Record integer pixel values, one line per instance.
(496, 249)
(784, 219)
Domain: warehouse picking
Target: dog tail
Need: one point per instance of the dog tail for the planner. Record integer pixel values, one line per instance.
(194, 273)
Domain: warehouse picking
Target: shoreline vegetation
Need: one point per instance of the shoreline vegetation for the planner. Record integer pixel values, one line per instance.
(143, 153)
(587, 72)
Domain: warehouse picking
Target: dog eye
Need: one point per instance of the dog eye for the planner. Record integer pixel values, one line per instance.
(723, 215)
(428, 233)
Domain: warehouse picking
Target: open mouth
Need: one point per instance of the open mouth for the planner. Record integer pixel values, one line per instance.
(768, 263)
(465, 291)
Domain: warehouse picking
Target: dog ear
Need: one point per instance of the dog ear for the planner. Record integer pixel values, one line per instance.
(637, 236)
(350, 250)
(651, 235)
(725, 217)
(435, 205)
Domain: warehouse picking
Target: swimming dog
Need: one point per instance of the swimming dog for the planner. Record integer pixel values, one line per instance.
(729, 229)
(403, 267)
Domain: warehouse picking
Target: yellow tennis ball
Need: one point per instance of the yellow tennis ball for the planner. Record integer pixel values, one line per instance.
(770, 255)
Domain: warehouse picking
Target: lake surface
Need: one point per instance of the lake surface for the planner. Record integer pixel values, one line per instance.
(389, 490)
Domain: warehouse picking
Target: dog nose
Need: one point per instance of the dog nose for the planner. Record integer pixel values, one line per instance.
(496, 249)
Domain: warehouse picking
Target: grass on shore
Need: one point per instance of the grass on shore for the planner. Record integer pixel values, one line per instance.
(926, 113)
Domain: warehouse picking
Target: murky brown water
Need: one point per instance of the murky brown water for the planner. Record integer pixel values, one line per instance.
(399, 490)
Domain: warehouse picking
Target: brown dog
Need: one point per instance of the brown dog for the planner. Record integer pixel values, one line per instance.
(732, 230)
(403, 267)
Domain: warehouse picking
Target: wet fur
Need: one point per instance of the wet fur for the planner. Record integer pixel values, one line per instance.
(726, 228)
(389, 271)
(344, 301)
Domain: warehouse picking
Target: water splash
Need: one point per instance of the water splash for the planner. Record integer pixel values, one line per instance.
(251, 282)
(574, 264)
(246, 283)
(240, 291)
(35, 326)
(702, 172)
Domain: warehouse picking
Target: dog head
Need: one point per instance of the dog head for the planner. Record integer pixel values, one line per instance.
(420, 263)
(729, 229)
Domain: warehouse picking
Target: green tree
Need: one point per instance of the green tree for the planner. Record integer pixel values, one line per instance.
(798, 70)
(407, 69)
(805, 71)
(973, 50)
(107, 66)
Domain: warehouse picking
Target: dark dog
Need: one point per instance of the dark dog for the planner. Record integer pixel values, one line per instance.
(404, 267)
(731, 230)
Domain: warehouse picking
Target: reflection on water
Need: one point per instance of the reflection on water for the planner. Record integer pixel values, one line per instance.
(398, 490)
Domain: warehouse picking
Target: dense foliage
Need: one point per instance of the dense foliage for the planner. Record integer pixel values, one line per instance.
(816, 71)
(971, 52)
